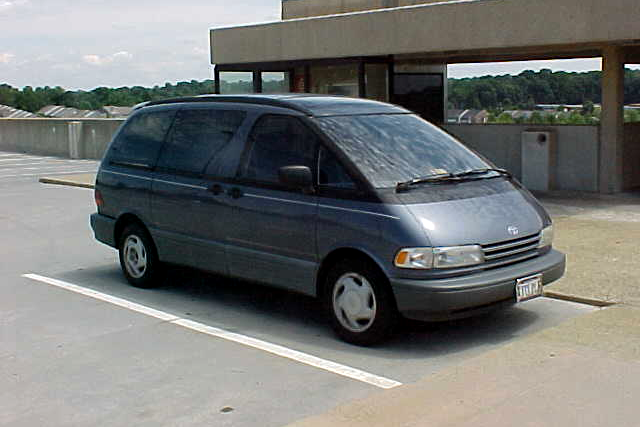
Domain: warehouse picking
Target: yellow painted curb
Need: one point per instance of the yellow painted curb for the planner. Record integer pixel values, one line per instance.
(579, 300)
(68, 183)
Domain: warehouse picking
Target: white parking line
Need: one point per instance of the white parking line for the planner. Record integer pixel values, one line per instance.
(18, 156)
(104, 297)
(304, 358)
(48, 173)
(25, 159)
(42, 168)
(21, 163)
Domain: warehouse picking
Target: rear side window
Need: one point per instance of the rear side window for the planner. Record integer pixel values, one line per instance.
(278, 141)
(198, 137)
(139, 142)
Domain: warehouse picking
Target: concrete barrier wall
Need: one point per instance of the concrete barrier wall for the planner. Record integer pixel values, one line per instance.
(577, 155)
(70, 138)
(631, 156)
(34, 136)
(96, 136)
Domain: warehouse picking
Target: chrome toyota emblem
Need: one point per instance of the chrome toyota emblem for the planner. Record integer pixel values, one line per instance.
(513, 230)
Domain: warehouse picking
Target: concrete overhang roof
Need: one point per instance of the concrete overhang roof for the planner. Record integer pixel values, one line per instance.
(466, 30)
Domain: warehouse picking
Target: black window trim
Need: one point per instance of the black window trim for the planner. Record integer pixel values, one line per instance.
(327, 187)
(132, 165)
(363, 191)
(244, 158)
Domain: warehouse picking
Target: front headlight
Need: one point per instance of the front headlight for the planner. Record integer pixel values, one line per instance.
(546, 237)
(444, 257)
(415, 258)
(458, 256)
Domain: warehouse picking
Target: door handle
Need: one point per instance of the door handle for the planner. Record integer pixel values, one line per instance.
(234, 192)
(216, 189)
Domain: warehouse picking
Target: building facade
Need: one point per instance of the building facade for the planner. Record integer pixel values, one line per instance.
(398, 50)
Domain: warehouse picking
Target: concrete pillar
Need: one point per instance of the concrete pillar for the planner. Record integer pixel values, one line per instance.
(445, 77)
(75, 136)
(612, 120)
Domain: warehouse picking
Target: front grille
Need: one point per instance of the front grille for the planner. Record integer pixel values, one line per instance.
(510, 251)
(496, 255)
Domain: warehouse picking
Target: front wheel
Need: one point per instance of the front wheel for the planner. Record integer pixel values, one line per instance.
(138, 257)
(360, 303)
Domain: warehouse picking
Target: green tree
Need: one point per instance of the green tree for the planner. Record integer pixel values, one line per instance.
(632, 116)
(537, 118)
(28, 100)
(505, 118)
(576, 118)
(8, 95)
(550, 119)
(587, 108)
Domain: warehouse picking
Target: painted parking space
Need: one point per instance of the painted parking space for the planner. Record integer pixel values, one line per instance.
(296, 356)
(25, 167)
(298, 322)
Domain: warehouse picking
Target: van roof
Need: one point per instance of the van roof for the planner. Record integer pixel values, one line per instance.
(311, 105)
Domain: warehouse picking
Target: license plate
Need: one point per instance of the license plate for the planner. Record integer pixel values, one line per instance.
(529, 288)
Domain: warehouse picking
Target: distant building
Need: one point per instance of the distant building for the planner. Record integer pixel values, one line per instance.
(520, 114)
(57, 111)
(116, 112)
(467, 116)
(564, 107)
(7, 112)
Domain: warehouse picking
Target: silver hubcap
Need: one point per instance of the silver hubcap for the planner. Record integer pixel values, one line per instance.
(354, 302)
(135, 256)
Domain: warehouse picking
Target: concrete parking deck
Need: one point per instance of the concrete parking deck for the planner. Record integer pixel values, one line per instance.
(600, 235)
(583, 372)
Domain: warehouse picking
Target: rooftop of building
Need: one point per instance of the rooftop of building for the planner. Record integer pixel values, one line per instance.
(59, 111)
(7, 112)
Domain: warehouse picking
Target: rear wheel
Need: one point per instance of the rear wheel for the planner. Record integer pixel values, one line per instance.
(359, 302)
(138, 257)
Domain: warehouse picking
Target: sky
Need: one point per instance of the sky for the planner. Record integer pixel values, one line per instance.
(92, 43)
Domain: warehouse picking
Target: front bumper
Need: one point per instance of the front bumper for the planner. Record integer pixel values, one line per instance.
(443, 299)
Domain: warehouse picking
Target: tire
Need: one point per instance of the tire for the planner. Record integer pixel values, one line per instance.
(138, 257)
(360, 303)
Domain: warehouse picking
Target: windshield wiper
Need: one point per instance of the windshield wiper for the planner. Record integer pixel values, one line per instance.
(440, 177)
(482, 171)
(404, 186)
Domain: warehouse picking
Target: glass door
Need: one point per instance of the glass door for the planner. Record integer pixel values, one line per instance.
(422, 93)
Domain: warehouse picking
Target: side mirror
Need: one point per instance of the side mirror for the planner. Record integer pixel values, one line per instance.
(298, 177)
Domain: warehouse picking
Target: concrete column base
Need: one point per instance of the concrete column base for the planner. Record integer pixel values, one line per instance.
(75, 136)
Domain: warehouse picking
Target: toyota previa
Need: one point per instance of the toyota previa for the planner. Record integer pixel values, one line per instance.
(375, 211)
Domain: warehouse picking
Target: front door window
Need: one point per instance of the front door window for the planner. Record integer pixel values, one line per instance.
(278, 141)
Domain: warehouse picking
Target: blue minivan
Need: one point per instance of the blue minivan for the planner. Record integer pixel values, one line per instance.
(365, 205)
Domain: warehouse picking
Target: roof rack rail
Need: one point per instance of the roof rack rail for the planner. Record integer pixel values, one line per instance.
(258, 100)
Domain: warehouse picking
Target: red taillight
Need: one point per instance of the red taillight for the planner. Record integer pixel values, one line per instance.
(98, 197)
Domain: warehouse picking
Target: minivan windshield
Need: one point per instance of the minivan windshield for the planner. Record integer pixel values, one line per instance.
(389, 149)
